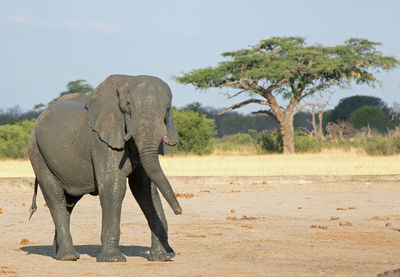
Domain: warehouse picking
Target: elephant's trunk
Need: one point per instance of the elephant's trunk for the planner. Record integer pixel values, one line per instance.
(147, 145)
(151, 165)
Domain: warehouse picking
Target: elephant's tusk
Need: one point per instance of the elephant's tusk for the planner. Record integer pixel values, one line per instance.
(170, 143)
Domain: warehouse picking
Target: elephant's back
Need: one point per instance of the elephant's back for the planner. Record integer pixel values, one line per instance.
(63, 138)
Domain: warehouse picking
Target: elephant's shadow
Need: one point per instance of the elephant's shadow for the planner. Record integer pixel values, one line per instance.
(91, 250)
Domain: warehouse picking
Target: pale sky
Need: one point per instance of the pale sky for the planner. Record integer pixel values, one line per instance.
(46, 43)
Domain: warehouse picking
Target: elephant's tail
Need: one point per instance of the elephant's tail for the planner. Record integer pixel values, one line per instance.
(33, 207)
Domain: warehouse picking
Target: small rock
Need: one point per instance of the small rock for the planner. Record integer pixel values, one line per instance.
(323, 227)
(345, 224)
(24, 241)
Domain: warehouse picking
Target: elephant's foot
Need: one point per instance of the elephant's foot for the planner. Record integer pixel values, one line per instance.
(67, 254)
(158, 253)
(112, 255)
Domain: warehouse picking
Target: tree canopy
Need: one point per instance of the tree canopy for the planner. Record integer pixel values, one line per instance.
(369, 116)
(348, 105)
(288, 67)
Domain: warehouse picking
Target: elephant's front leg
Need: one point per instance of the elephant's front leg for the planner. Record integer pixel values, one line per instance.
(147, 196)
(111, 192)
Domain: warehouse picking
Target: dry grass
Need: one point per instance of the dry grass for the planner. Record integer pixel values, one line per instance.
(15, 168)
(331, 162)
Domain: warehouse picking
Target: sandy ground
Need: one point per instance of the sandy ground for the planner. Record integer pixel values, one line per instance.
(232, 226)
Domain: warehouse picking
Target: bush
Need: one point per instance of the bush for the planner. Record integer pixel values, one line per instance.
(379, 145)
(238, 143)
(370, 116)
(271, 141)
(14, 139)
(306, 143)
(196, 132)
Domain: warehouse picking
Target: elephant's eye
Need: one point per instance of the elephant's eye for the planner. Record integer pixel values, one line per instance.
(166, 116)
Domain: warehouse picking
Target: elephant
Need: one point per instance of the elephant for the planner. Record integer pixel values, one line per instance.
(92, 145)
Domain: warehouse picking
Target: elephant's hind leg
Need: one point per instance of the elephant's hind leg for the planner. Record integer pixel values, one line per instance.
(70, 204)
(57, 203)
(148, 198)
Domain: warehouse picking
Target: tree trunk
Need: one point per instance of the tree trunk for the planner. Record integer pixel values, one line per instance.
(287, 131)
(320, 131)
(314, 123)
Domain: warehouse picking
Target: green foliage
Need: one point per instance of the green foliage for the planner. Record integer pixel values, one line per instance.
(196, 107)
(289, 58)
(379, 145)
(304, 143)
(242, 143)
(14, 139)
(78, 86)
(236, 123)
(271, 141)
(370, 116)
(196, 132)
(347, 105)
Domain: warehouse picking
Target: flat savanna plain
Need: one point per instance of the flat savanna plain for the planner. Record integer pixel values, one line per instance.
(327, 214)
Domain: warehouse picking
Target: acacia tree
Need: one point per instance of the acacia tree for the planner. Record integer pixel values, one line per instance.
(287, 68)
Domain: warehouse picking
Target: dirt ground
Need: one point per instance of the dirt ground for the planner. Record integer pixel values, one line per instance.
(230, 226)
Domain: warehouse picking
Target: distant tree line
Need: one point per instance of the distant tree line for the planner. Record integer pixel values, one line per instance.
(201, 128)
(14, 114)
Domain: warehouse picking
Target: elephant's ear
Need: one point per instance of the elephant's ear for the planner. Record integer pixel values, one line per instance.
(172, 133)
(104, 114)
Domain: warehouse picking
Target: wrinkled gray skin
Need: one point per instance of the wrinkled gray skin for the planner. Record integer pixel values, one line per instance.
(92, 144)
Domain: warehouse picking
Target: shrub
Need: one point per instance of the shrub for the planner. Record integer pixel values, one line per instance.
(14, 139)
(238, 143)
(306, 143)
(379, 145)
(271, 141)
(370, 116)
(196, 132)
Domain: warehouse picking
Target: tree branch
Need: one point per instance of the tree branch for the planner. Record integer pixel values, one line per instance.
(314, 90)
(236, 94)
(266, 113)
(277, 85)
(241, 104)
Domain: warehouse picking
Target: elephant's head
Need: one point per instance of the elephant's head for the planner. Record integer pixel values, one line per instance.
(139, 107)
